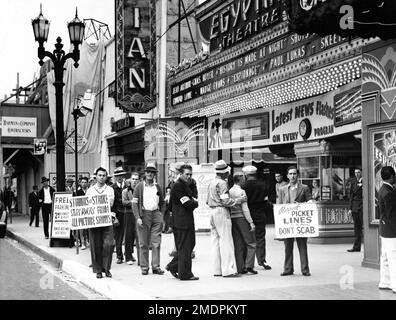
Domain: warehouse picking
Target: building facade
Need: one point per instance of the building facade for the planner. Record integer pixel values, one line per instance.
(272, 98)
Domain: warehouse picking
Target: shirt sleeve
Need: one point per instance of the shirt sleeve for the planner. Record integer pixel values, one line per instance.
(245, 209)
(224, 195)
(110, 194)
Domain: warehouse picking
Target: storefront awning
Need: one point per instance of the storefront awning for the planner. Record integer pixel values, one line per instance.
(258, 155)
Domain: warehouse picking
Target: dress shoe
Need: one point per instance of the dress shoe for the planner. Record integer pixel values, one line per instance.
(158, 271)
(173, 273)
(133, 259)
(217, 275)
(119, 261)
(108, 274)
(307, 274)
(266, 266)
(129, 262)
(384, 288)
(145, 272)
(99, 275)
(192, 278)
(244, 271)
(251, 270)
(286, 274)
(233, 275)
(353, 250)
(30, 224)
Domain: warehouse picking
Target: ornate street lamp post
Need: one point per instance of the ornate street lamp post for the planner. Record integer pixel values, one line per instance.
(76, 33)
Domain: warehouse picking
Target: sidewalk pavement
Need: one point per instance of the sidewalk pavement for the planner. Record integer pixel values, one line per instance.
(336, 273)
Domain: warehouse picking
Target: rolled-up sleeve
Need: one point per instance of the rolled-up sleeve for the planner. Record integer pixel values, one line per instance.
(224, 195)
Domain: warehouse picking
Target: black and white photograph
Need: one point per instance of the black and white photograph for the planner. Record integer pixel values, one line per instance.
(196, 157)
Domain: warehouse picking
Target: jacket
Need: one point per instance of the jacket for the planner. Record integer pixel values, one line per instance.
(303, 194)
(137, 201)
(257, 192)
(387, 208)
(80, 192)
(356, 196)
(41, 194)
(183, 205)
(127, 196)
(118, 207)
(34, 201)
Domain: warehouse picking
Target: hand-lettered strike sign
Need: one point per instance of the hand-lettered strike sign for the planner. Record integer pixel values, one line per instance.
(60, 222)
(296, 220)
(90, 212)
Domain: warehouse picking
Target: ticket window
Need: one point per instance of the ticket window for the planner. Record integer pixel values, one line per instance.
(332, 172)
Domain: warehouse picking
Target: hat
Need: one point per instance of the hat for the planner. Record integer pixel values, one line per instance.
(221, 167)
(151, 168)
(44, 179)
(178, 165)
(249, 170)
(69, 180)
(119, 171)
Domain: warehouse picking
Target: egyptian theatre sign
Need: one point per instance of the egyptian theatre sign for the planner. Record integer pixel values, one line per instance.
(235, 21)
(135, 55)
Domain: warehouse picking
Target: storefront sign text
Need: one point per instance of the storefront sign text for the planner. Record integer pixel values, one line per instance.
(239, 21)
(260, 61)
(19, 127)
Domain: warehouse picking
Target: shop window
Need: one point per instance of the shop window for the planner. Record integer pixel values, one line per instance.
(333, 174)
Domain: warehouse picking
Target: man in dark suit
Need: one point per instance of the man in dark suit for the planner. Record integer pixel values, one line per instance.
(119, 210)
(292, 193)
(183, 205)
(356, 209)
(83, 234)
(387, 229)
(34, 206)
(257, 195)
(45, 197)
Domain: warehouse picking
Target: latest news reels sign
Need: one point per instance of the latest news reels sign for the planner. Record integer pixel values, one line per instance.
(296, 220)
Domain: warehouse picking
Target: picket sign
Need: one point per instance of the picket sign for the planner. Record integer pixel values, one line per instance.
(296, 220)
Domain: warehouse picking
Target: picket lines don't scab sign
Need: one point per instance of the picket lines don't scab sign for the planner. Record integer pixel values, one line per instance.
(296, 220)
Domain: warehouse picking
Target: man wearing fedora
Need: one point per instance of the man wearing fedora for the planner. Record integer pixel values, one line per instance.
(220, 203)
(45, 197)
(148, 206)
(257, 195)
(119, 209)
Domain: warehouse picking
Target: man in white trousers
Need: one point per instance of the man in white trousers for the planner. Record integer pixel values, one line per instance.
(387, 229)
(219, 201)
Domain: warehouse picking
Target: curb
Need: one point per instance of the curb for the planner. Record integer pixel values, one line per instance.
(55, 261)
(109, 288)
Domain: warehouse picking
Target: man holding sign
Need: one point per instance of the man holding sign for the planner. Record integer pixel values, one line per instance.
(101, 238)
(295, 192)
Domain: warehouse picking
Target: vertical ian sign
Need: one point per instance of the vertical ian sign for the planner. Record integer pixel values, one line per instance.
(135, 55)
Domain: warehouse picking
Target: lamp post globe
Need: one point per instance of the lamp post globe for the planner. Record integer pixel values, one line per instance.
(58, 57)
